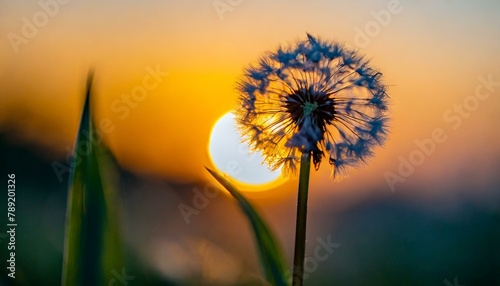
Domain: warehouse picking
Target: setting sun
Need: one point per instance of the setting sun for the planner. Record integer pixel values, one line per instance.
(234, 158)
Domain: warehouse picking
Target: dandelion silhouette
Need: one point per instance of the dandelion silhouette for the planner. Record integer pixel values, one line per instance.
(311, 100)
(315, 97)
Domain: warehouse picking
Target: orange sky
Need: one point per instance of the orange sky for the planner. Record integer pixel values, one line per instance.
(431, 54)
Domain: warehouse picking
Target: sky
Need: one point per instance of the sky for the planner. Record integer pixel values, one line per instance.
(187, 56)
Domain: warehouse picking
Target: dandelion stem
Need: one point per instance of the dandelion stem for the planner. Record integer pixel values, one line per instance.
(300, 228)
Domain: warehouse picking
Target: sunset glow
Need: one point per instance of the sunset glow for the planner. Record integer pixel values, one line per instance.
(234, 158)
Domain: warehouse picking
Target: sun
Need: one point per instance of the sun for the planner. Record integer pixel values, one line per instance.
(234, 158)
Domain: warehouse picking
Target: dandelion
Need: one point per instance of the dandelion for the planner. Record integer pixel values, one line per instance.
(314, 97)
(312, 100)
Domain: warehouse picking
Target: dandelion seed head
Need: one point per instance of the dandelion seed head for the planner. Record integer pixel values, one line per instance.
(316, 97)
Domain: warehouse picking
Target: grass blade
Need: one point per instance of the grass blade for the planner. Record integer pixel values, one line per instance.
(270, 254)
(72, 266)
(91, 226)
(112, 255)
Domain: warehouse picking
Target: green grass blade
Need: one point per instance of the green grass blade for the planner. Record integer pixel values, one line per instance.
(112, 255)
(92, 244)
(270, 253)
(73, 243)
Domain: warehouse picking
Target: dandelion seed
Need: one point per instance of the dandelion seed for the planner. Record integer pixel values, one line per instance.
(314, 97)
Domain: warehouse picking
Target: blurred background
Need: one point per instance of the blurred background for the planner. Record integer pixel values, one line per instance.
(424, 211)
